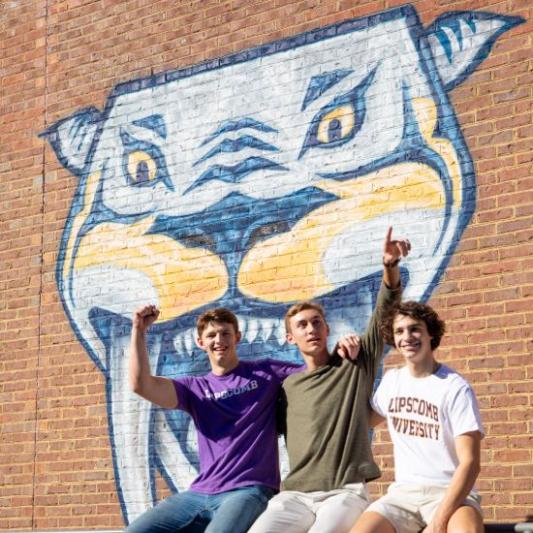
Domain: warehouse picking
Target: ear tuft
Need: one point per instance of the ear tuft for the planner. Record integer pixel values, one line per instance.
(73, 137)
(461, 40)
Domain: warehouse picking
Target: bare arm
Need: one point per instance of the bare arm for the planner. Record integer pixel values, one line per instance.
(467, 447)
(374, 418)
(156, 389)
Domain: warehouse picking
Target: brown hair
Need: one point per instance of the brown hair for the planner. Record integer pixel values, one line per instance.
(219, 314)
(417, 311)
(302, 306)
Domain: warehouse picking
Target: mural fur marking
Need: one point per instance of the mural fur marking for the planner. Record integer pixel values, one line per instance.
(253, 181)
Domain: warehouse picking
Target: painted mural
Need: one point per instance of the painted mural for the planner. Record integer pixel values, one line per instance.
(253, 181)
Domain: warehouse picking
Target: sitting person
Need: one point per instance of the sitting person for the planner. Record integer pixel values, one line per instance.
(435, 427)
(326, 407)
(233, 408)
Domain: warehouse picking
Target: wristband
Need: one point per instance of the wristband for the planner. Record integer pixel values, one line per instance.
(392, 263)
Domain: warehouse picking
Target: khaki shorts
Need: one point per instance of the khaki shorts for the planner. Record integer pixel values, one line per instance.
(409, 508)
(334, 511)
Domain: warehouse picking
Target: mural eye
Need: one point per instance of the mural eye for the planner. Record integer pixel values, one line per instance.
(340, 120)
(143, 163)
(141, 168)
(336, 125)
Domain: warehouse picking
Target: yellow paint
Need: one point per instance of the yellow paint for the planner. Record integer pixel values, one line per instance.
(426, 115)
(183, 278)
(296, 256)
(284, 268)
(138, 157)
(344, 114)
(79, 219)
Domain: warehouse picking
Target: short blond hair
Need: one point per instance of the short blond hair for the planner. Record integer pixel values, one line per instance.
(302, 306)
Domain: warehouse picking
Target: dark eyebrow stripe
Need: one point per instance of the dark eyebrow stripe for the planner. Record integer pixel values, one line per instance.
(318, 85)
(155, 123)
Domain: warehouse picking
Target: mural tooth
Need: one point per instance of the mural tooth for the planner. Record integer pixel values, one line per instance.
(178, 344)
(280, 333)
(252, 329)
(243, 324)
(188, 339)
(267, 326)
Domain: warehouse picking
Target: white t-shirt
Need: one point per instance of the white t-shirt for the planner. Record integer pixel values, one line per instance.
(424, 415)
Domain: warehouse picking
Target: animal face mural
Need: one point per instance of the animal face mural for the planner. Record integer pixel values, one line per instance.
(254, 181)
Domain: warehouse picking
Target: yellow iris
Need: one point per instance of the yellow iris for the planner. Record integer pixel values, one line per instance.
(141, 166)
(341, 118)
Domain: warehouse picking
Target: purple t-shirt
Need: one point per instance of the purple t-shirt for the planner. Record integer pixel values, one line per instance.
(235, 417)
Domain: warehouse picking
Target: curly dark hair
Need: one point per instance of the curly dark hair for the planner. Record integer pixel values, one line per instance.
(417, 311)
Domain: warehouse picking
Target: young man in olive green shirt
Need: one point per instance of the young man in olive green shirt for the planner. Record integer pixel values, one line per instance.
(327, 418)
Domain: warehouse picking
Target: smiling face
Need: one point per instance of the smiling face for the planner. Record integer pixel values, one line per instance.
(279, 195)
(309, 332)
(412, 340)
(219, 340)
(255, 181)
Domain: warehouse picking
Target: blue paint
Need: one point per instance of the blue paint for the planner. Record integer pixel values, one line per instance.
(472, 19)
(155, 123)
(232, 225)
(235, 173)
(318, 85)
(131, 145)
(232, 146)
(355, 99)
(236, 125)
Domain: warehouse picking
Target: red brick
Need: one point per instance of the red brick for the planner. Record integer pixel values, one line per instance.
(48, 384)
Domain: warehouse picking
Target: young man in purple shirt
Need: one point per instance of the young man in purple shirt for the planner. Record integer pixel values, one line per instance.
(233, 409)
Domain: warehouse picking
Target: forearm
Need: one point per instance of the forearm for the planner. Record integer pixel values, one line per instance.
(460, 486)
(139, 366)
(391, 276)
(374, 418)
(155, 389)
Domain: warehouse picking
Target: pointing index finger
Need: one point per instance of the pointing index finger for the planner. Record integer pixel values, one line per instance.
(388, 238)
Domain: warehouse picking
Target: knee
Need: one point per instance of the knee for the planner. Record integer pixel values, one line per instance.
(465, 527)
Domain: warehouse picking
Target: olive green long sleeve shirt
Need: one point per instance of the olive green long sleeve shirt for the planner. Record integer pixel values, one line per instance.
(327, 415)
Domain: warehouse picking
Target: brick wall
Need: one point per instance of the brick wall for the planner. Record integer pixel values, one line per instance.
(60, 464)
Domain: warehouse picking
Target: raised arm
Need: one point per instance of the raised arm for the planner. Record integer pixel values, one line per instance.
(467, 447)
(156, 389)
(393, 251)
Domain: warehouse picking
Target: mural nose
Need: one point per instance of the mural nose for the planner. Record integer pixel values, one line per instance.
(232, 226)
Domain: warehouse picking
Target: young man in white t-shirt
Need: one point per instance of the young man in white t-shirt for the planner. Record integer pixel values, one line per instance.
(435, 427)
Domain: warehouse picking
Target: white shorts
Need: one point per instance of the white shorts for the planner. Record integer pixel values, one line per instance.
(409, 508)
(334, 511)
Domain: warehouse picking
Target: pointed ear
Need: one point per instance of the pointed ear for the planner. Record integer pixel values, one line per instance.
(461, 40)
(72, 138)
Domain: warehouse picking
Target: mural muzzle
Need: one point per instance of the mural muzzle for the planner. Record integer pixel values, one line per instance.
(252, 182)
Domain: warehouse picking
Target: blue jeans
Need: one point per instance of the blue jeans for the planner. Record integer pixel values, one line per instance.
(233, 511)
